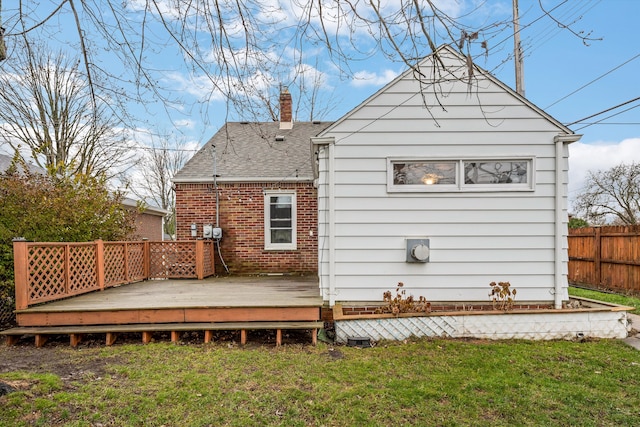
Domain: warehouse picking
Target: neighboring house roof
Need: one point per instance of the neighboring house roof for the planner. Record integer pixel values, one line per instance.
(148, 209)
(5, 163)
(253, 152)
(460, 62)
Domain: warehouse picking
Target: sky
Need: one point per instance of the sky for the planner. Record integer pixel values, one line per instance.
(557, 64)
(572, 73)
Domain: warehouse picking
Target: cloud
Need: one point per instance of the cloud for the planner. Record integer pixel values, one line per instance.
(186, 123)
(367, 78)
(310, 76)
(598, 156)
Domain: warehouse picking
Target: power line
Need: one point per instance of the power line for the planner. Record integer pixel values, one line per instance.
(142, 147)
(552, 31)
(612, 123)
(608, 117)
(522, 28)
(593, 81)
(605, 111)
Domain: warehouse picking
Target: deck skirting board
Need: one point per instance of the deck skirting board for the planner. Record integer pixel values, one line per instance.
(173, 315)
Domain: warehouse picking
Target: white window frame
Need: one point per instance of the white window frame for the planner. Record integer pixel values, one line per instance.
(460, 186)
(268, 245)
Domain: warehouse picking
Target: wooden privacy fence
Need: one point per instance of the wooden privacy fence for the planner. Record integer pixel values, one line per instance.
(605, 257)
(51, 271)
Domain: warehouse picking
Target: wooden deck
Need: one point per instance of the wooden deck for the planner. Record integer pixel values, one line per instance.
(232, 303)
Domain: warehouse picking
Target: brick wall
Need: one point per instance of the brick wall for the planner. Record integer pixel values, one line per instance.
(149, 226)
(242, 223)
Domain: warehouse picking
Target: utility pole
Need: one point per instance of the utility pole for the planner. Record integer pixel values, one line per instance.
(517, 50)
(3, 47)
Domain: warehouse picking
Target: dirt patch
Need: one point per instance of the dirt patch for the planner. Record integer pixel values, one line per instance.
(6, 388)
(56, 357)
(335, 354)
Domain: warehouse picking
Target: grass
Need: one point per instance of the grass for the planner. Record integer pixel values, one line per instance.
(425, 382)
(607, 297)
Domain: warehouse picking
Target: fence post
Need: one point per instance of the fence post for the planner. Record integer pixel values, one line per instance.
(200, 259)
(100, 263)
(21, 274)
(597, 243)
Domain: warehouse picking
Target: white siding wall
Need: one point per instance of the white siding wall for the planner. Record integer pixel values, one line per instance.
(475, 238)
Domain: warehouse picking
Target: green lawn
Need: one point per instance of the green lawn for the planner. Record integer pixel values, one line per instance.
(423, 383)
(607, 297)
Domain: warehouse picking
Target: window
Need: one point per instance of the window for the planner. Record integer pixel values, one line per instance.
(425, 173)
(496, 172)
(280, 220)
(452, 175)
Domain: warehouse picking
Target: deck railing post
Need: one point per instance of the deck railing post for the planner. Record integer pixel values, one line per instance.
(100, 264)
(127, 278)
(212, 258)
(146, 259)
(200, 259)
(67, 269)
(21, 274)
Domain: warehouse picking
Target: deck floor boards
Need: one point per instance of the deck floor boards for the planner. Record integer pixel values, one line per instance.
(233, 291)
(230, 303)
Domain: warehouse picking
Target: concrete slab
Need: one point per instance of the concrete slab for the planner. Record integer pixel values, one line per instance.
(634, 338)
(635, 321)
(633, 341)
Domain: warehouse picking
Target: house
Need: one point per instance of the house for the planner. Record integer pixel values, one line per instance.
(149, 222)
(446, 185)
(445, 180)
(254, 183)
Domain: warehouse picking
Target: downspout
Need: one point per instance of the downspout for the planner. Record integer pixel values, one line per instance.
(560, 227)
(332, 226)
(328, 144)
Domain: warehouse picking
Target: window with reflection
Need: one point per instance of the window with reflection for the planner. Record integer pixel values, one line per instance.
(493, 174)
(424, 173)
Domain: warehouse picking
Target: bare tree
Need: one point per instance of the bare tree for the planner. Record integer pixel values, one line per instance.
(234, 49)
(47, 109)
(611, 196)
(161, 162)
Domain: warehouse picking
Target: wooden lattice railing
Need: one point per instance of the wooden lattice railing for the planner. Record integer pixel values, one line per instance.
(50, 271)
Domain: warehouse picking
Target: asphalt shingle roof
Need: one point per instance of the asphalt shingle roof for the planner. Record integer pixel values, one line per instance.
(6, 160)
(249, 151)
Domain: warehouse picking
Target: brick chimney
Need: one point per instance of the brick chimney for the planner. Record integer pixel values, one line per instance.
(286, 109)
